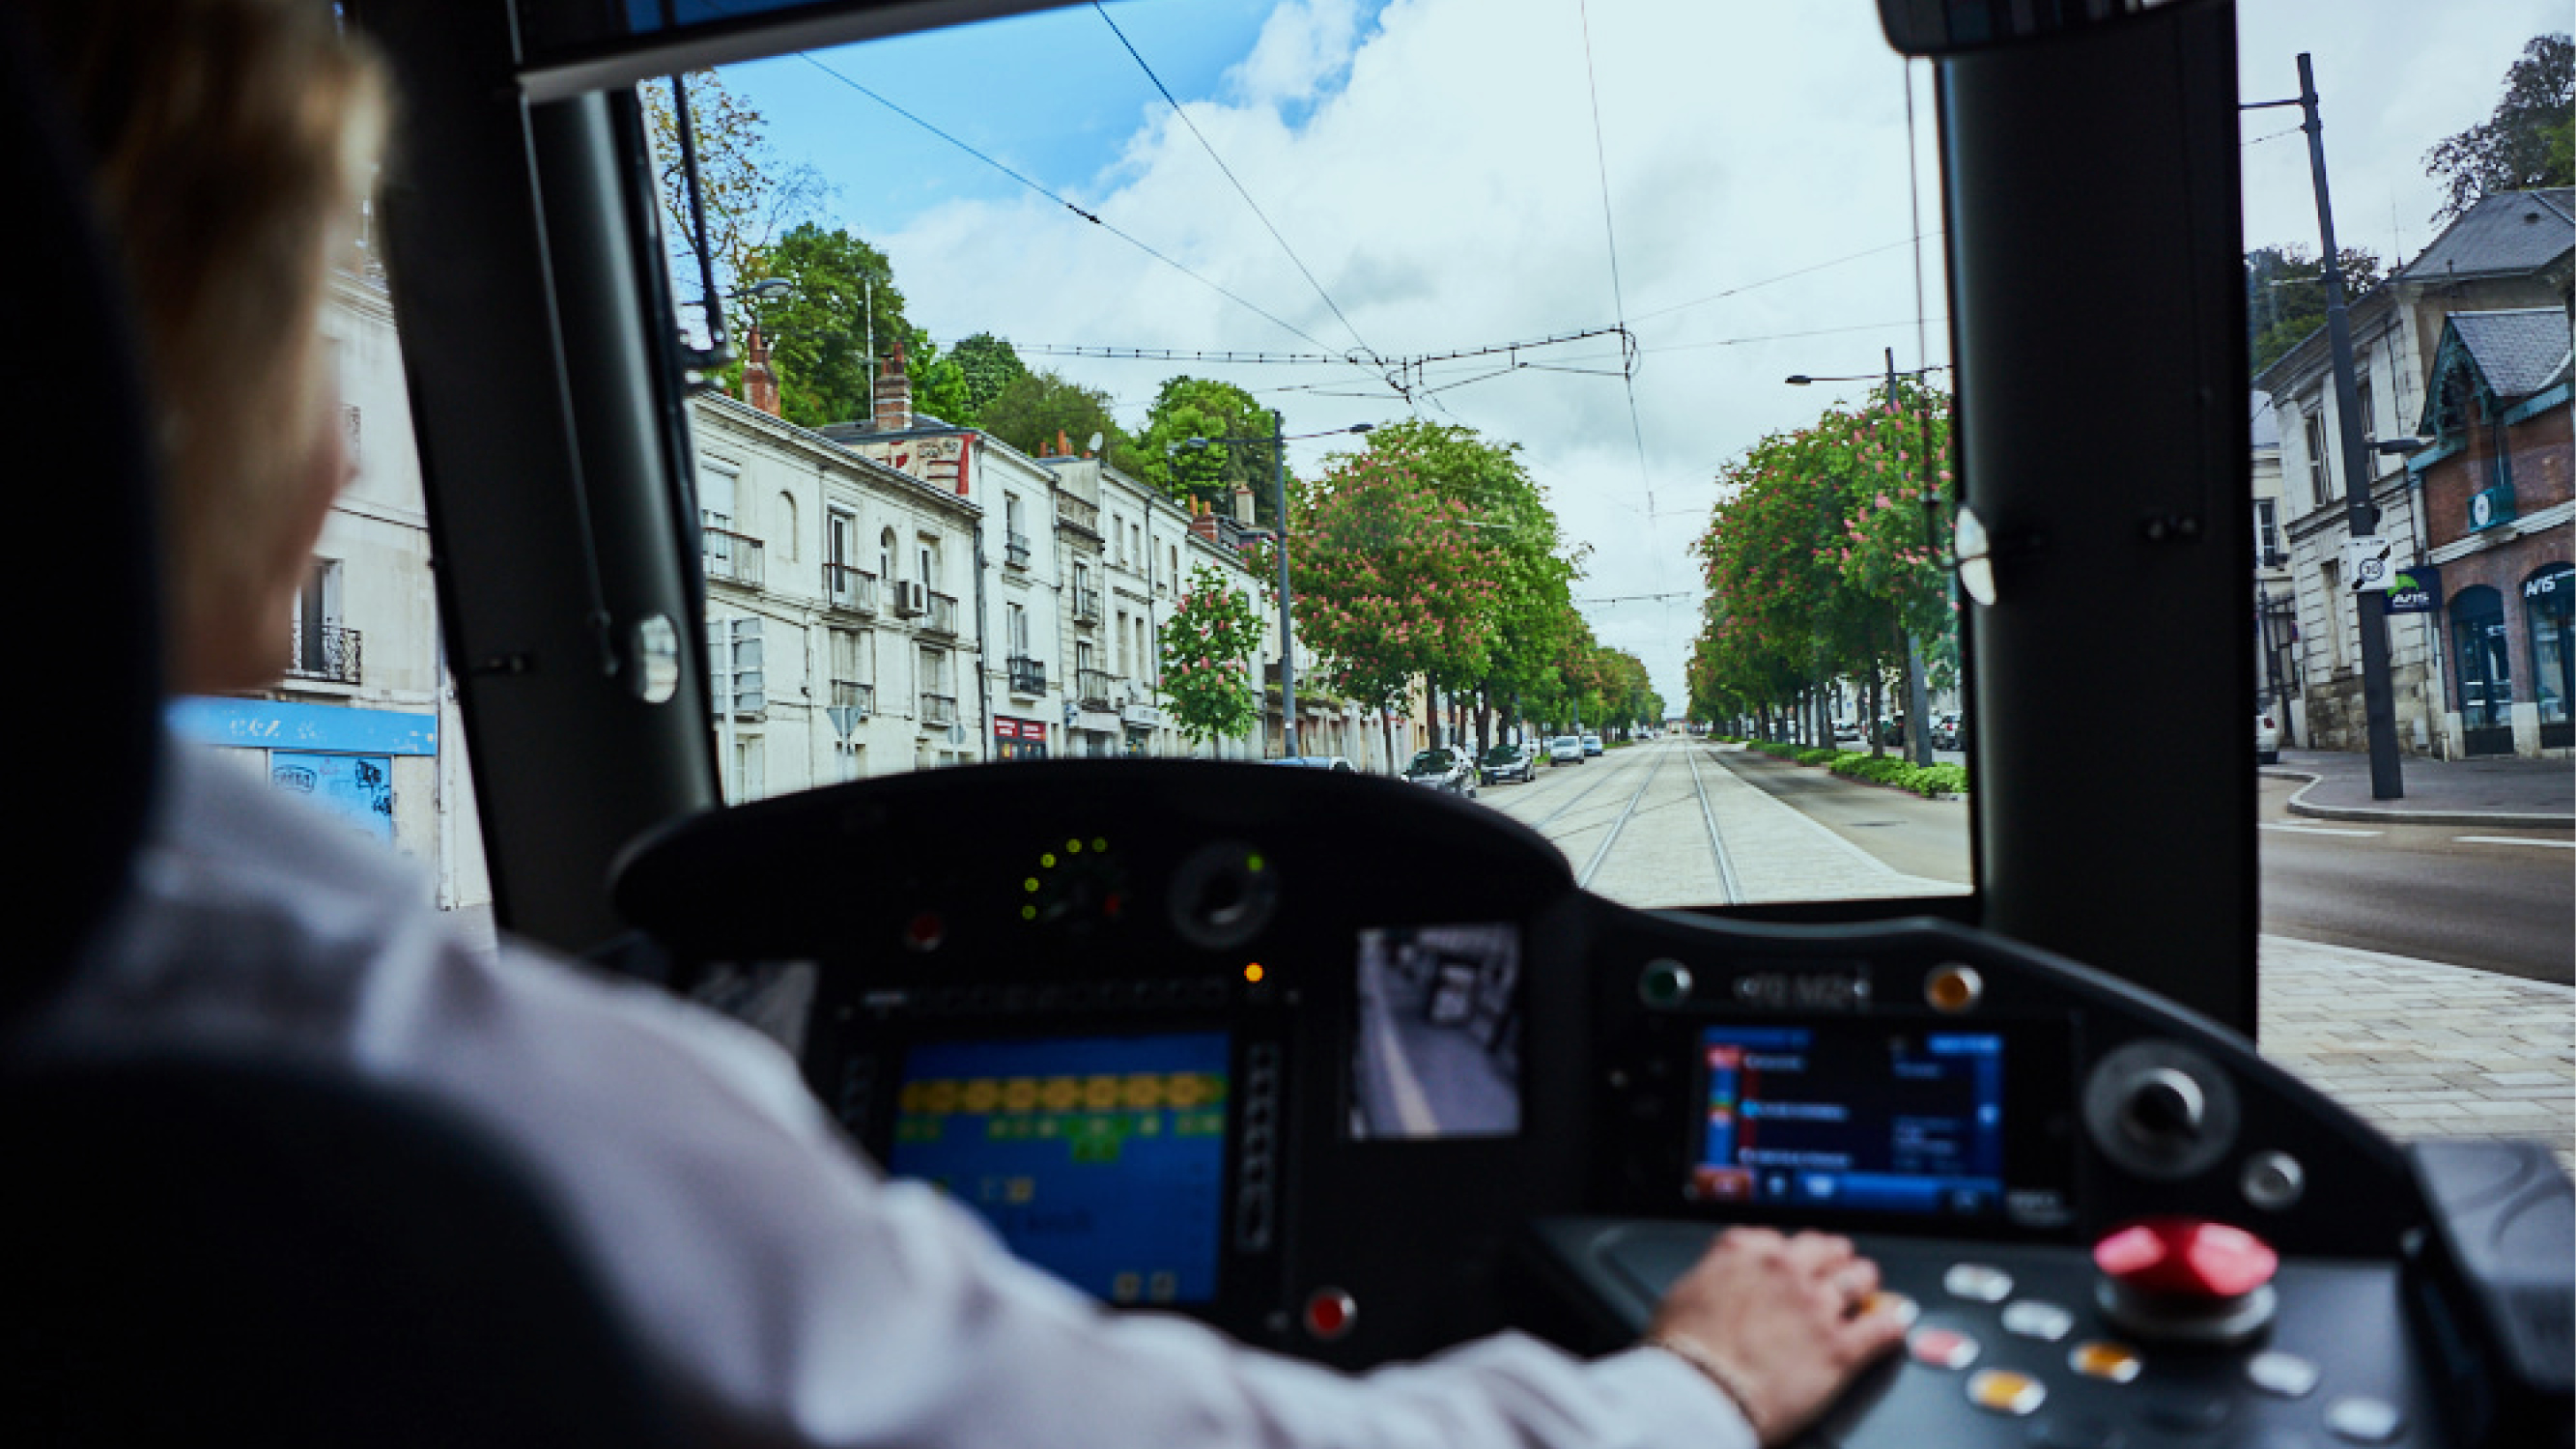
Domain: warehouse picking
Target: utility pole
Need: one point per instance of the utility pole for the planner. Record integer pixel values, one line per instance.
(2378, 694)
(1287, 639)
(1918, 707)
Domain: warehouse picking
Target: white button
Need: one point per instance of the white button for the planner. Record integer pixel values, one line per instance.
(1977, 1282)
(2285, 1374)
(2031, 1318)
(2364, 1421)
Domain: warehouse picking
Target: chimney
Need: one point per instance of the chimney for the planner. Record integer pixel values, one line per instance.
(759, 383)
(1204, 526)
(893, 394)
(1064, 445)
(1243, 504)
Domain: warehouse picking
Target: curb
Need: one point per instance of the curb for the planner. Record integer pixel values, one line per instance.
(2384, 815)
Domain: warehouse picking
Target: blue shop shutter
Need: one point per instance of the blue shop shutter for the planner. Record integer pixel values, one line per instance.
(355, 789)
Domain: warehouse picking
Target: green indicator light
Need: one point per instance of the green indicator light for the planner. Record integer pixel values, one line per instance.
(1099, 844)
(1028, 913)
(1073, 847)
(1254, 862)
(1047, 861)
(1030, 885)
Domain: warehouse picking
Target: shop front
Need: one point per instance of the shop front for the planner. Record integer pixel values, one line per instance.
(1019, 739)
(350, 763)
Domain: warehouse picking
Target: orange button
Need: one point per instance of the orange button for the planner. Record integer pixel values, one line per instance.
(2002, 1391)
(1895, 1305)
(2107, 1361)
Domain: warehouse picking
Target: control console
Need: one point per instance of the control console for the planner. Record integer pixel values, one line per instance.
(1357, 1072)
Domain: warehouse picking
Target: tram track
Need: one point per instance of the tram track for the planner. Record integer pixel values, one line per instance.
(1734, 889)
(1601, 852)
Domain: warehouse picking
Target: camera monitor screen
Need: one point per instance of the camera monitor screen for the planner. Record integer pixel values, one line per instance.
(1854, 1116)
(1437, 1047)
(1100, 1159)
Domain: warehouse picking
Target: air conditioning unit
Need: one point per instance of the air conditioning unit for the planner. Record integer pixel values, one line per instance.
(911, 597)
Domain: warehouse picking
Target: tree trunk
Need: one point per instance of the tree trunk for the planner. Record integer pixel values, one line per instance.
(1386, 727)
(1877, 706)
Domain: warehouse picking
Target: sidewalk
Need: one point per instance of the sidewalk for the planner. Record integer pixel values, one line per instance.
(2498, 792)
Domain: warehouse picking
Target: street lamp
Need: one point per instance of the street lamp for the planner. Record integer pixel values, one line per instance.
(1917, 703)
(1278, 442)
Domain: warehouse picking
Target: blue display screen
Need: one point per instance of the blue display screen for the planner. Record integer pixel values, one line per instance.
(1855, 1117)
(1100, 1159)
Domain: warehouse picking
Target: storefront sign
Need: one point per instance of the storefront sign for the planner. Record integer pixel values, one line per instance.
(323, 728)
(2551, 583)
(2416, 589)
(1019, 739)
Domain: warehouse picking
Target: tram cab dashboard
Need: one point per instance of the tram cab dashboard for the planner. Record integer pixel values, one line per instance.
(1357, 1073)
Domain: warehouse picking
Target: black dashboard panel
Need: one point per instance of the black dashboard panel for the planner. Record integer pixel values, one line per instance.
(1355, 1071)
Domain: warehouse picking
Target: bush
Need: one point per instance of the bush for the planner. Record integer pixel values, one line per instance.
(1930, 782)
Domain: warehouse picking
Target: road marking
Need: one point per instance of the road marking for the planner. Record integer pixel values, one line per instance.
(2513, 840)
(2311, 829)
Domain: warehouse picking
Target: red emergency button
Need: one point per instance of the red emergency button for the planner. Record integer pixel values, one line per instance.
(2186, 1258)
(1329, 1313)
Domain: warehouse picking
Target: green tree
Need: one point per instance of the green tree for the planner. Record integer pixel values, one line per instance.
(841, 296)
(2285, 295)
(1031, 411)
(1388, 588)
(2529, 142)
(1208, 644)
(745, 194)
(1197, 407)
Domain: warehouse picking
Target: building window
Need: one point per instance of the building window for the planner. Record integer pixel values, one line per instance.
(886, 556)
(839, 535)
(2361, 405)
(2548, 599)
(2330, 577)
(787, 528)
(2267, 534)
(2320, 485)
(2486, 673)
(1016, 630)
(1126, 644)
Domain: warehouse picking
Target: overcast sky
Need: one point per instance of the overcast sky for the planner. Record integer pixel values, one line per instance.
(1433, 163)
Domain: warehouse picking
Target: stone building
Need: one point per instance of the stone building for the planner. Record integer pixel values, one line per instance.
(2511, 250)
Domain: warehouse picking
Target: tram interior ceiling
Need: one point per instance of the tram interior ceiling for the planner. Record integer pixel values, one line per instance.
(1264, 1034)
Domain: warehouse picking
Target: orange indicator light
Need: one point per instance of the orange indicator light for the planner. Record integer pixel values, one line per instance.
(1253, 972)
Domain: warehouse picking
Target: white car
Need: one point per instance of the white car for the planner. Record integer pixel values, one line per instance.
(1565, 750)
(2267, 737)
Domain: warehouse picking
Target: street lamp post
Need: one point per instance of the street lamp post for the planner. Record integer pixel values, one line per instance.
(1918, 716)
(1278, 442)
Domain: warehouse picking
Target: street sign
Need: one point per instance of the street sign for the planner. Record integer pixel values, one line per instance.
(2366, 567)
(2415, 589)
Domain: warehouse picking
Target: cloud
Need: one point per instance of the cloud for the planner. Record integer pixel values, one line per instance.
(1435, 166)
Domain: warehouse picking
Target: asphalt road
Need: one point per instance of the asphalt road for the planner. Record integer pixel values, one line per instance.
(2497, 899)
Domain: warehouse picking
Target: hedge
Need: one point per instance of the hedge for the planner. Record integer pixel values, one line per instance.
(1931, 782)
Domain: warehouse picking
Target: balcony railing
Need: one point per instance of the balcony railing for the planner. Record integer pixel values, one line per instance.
(943, 615)
(1086, 606)
(850, 694)
(1015, 550)
(732, 558)
(1028, 676)
(1092, 687)
(1076, 513)
(938, 709)
(847, 588)
(326, 652)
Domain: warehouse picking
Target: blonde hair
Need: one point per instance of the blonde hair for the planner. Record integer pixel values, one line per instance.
(228, 141)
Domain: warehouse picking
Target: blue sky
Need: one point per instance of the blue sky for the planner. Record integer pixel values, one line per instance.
(1433, 163)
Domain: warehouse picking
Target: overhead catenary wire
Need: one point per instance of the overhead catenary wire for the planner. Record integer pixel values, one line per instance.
(1093, 217)
(1239, 189)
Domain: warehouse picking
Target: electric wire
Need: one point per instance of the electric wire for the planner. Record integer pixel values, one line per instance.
(1239, 189)
(1782, 277)
(1610, 233)
(1094, 218)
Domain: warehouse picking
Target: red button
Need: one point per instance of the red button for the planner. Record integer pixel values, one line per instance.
(2186, 1258)
(1329, 1312)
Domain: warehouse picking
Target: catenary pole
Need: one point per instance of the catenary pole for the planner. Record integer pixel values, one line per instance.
(2378, 695)
(1287, 638)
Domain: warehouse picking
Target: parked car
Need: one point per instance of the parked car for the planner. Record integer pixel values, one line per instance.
(1507, 762)
(1591, 744)
(1565, 750)
(1444, 770)
(1945, 732)
(2267, 737)
(1891, 730)
(1847, 730)
(1334, 763)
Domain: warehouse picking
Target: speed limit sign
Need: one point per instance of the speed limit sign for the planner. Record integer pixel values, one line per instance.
(2366, 565)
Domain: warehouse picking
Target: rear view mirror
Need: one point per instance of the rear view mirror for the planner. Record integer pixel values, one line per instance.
(1955, 27)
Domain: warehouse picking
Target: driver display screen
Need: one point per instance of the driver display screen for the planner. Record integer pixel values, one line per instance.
(1100, 1159)
(1856, 1117)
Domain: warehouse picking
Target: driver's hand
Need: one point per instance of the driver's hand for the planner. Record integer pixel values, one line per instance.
(1782, 1324)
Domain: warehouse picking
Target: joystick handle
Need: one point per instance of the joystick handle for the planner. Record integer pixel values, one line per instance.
(2187, 1279)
